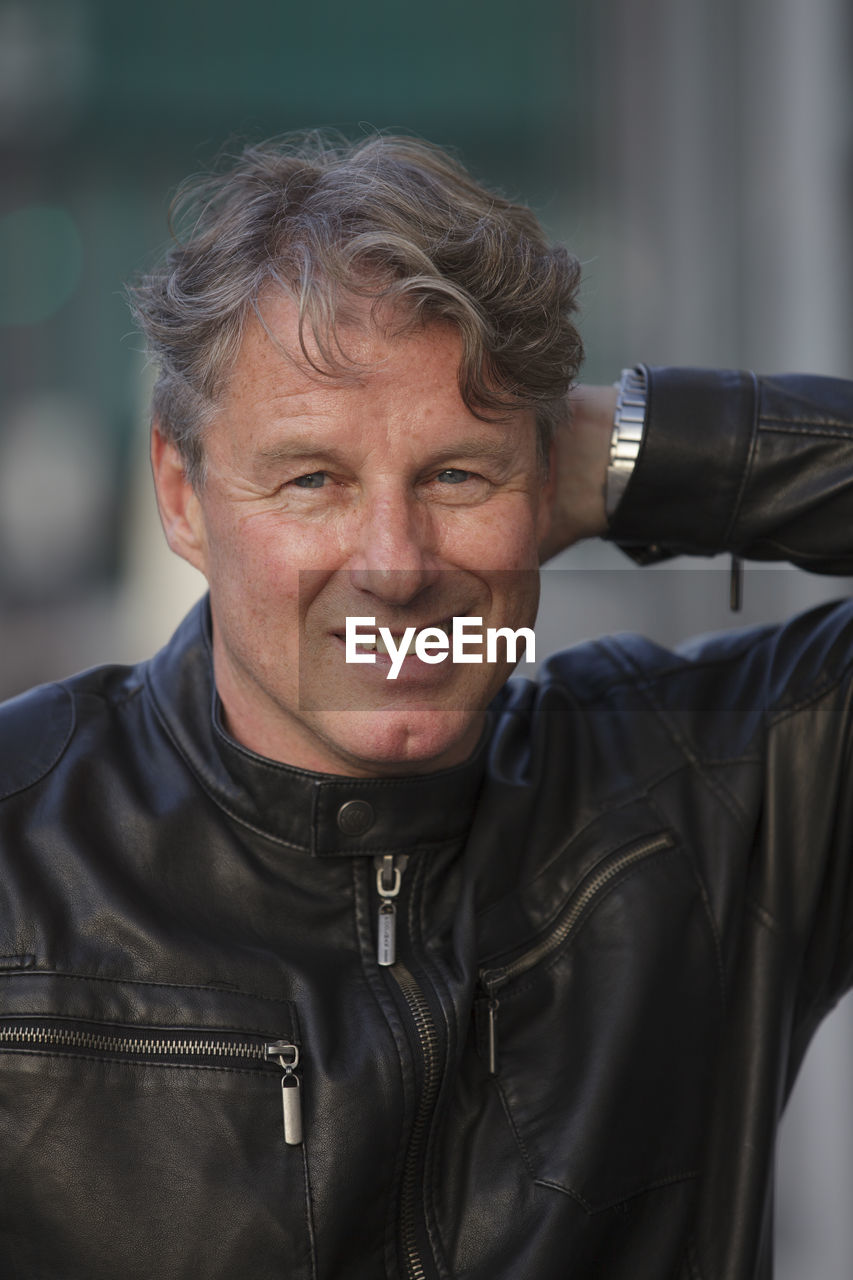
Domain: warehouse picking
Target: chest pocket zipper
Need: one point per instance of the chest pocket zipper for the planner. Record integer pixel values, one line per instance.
(493, 980)
(190, 1048)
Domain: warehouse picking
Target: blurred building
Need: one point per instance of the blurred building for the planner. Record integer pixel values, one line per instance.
(696, 156)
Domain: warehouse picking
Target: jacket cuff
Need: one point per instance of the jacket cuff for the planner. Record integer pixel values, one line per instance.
(684, 491)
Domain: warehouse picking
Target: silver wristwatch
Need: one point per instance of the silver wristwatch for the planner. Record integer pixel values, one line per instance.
(628, 424)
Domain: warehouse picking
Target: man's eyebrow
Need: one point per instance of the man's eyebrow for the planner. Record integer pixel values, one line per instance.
(499, 447)
(291, 451)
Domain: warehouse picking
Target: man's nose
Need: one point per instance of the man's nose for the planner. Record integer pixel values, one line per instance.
(394, 559)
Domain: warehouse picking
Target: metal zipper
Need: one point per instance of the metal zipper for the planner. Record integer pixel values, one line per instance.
(428, 1042)
(491, 980)
(36, 1035)
(389, 877)
(389, 874)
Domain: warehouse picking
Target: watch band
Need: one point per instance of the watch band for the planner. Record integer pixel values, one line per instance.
(628, 425)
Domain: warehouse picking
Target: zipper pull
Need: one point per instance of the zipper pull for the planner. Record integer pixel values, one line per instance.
(388, 879)
(736, 584)
(493, 1036)
(486, 1006)
(287, 1057)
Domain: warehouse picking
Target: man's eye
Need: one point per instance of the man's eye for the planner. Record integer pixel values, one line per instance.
(314, 480)
(452, 475)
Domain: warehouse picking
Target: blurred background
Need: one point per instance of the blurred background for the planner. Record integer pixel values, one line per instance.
(696, 156)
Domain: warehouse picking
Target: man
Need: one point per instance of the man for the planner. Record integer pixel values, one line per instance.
(309, 971)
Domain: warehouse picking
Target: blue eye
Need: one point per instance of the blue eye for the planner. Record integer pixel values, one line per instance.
(452, 475)
(314, 480)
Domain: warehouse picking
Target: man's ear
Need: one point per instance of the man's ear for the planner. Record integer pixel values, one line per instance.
(180, 509)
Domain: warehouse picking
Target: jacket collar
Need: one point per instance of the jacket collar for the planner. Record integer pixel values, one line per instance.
(322, 814)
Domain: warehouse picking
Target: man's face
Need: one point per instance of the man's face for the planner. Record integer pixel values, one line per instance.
(379, 497)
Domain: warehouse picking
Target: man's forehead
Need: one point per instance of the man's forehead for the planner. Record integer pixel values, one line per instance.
(281, 400)
(341, 343)
(281, 361)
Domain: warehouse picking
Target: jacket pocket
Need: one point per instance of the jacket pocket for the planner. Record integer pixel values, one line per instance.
(601, 1033)
(149, 1129)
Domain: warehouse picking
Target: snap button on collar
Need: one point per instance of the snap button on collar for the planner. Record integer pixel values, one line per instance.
(355, 817)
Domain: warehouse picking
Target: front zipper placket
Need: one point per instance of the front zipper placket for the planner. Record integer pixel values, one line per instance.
(185, 1049)
(389, 877)
(492, 981)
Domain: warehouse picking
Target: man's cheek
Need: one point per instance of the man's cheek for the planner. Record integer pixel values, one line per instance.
(508, 543)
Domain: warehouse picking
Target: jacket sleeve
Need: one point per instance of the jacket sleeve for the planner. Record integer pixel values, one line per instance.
(761, 467)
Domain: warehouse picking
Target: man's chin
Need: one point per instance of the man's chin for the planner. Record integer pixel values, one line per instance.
(384, 741)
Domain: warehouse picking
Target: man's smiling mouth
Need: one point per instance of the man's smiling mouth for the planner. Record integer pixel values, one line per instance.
(376, 643)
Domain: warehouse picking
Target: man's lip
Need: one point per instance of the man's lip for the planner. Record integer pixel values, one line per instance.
(444, 624)
(380, 653)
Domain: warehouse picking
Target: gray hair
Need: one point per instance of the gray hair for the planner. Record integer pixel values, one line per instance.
(390, 219)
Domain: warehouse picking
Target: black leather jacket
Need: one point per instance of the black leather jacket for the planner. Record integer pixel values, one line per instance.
(617, 927)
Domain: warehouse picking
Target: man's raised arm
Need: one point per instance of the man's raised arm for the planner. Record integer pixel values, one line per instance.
(759, 466)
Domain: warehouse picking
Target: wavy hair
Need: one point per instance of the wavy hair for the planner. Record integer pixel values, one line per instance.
(391, 220)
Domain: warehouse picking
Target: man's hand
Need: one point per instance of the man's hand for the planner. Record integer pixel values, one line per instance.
(579, 458)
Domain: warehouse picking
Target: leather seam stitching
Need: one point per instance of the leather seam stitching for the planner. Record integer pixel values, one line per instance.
(14, 791)
(705, 896)
(143, 982)
(143, 1024)
(728, 801)
(634, 679)
(522, 1146)
(811, 698)
(137, 1062)
(683, 1176)
(309, 1216)
(750, 459)
(809, 427)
